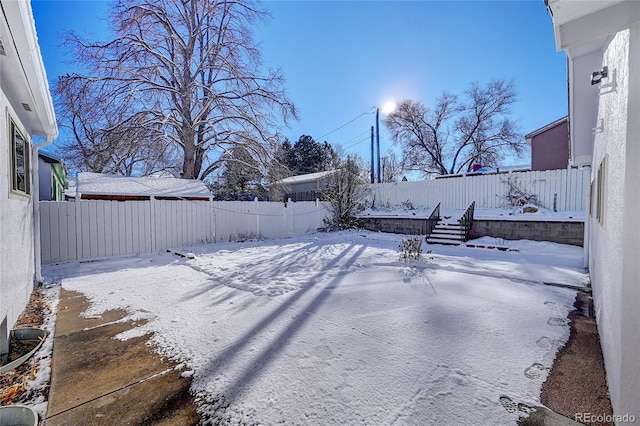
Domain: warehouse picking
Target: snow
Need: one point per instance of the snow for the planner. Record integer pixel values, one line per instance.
(103, 184)
(309, 177)
(334, 329)
(37, 387)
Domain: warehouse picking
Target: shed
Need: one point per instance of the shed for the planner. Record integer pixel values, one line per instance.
(305, 187)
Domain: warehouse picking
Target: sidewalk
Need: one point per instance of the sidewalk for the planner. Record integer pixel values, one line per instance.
(99, 380)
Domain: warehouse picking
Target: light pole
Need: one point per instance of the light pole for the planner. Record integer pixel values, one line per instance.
(372, 158)
(378, 139)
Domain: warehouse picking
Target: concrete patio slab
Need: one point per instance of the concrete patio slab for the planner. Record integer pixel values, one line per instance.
(102, 380)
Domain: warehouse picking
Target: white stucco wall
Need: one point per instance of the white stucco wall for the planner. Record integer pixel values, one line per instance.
(614, 257)
(17, 269)
(630, 344)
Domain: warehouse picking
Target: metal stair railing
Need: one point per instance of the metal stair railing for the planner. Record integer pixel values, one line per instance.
(466, 221)
(432, 220)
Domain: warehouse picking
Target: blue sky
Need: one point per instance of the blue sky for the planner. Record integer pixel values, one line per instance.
(341, 58)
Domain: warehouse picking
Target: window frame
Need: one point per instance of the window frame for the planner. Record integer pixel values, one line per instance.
(601, 191)
(15, 134)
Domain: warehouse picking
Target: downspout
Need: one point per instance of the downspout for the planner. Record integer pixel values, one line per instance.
(35, 194)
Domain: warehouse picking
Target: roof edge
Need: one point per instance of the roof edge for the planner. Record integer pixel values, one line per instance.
(546, 127)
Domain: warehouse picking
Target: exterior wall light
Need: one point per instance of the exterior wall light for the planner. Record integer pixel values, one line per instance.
(597, 76)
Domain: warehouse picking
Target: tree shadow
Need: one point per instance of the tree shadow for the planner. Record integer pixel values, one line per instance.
(253, 369)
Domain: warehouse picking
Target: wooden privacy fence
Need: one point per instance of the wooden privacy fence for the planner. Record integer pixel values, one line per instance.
(89, 229)
(560, 190)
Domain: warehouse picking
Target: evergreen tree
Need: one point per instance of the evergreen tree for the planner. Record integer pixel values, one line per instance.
(242, 178)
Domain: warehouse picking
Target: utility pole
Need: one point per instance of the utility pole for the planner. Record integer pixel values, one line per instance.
(372, 157)
(378, 139)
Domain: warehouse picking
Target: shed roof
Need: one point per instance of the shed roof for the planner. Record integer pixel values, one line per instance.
(146, 186)
(310, 177)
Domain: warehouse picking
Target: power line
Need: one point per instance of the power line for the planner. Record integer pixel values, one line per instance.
(369, 111)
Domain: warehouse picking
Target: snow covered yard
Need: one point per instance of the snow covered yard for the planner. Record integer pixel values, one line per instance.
(333, 329)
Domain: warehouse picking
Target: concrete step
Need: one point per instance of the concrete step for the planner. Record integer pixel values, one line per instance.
(444, 241)
(448, 225)
(448, 231)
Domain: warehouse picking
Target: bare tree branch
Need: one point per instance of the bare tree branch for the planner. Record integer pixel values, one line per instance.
(455, 135)
(193, 69)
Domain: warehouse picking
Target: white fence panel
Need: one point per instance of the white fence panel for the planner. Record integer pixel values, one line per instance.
(565, 189)
(95, 228)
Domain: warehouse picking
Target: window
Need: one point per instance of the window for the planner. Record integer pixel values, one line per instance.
(19, 161)
(592, 200)
(601, 191)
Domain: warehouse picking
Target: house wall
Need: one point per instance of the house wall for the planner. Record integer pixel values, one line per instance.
(45, 180)
(304, 186)
(614, 247)
(550, 149)
(16, 232)
(583, 103)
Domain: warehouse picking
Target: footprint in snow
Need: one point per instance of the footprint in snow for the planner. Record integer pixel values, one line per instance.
(534, 371)
(558, 321)
(512, 407)
(545, 343)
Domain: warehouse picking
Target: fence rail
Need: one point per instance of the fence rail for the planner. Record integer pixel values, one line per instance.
(95, 228)
(559, 190)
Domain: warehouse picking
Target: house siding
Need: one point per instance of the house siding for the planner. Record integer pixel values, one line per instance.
(17, 262)
(614, 250)
(45, 179)
(550, 149)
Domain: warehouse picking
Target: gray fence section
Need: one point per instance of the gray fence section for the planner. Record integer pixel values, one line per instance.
(90, 229)
(566, 189)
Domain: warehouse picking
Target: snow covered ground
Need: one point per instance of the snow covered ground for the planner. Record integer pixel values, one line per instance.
(333, 329)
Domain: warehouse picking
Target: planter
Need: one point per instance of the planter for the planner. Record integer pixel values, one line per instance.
(18, 415)
(27, 336)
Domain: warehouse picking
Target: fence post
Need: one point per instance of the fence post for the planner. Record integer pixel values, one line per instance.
(152, 222)
(255, 201)
(212, 221)
(289, 214)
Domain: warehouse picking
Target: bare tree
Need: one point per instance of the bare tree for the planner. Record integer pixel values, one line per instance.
(105, 136)
(347, 191)
(455, 135)
(193, 71)
(391, 168)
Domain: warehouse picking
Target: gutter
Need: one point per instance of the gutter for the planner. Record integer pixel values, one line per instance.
(35, 194)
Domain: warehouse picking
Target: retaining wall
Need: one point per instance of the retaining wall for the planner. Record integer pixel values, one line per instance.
(396, 225)
(558, 232)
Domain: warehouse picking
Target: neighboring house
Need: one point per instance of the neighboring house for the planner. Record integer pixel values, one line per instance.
(550, 146)
(602, 42)
(96, 186)
(27, 111)
(52, 178)
(305, 187)
(487, 171)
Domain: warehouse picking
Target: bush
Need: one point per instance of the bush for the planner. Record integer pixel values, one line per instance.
(411, 248)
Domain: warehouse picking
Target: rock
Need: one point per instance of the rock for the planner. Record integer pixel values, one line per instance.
(529, 209)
